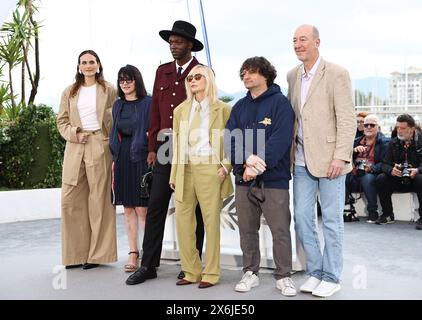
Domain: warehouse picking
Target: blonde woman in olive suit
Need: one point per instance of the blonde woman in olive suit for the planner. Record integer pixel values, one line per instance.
(200, 173)
(84, 121)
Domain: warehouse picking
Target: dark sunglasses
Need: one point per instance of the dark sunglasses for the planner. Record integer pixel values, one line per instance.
(197, 77)
(369, 125)
(128, 81)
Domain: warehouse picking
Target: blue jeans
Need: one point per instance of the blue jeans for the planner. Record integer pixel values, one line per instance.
(366, 184)
(328, 265)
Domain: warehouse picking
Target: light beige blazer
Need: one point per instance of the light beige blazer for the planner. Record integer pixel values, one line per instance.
(219, 115)
(329, 121)
(68, 121)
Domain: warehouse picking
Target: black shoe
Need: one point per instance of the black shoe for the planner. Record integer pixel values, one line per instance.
(181, 275)
(419, 224)
(73, 266)
(384, 219)
(87, 266)
(351, 217)
(347, 218)
(372, 217)
(142, 274)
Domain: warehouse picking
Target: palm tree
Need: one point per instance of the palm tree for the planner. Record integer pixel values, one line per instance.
(35, 79)
(11, 54)
(21, 34)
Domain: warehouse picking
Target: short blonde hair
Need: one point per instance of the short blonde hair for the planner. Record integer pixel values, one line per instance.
(210, 87)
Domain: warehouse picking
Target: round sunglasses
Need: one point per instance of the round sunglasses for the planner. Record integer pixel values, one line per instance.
(197, 77)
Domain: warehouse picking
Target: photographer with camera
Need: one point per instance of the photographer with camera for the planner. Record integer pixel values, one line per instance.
(402, 168)
(368, 153)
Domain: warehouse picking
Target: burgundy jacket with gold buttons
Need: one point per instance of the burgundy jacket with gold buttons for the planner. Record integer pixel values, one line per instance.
(169, 91)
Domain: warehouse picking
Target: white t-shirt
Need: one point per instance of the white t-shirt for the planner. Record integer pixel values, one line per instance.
(87, 107)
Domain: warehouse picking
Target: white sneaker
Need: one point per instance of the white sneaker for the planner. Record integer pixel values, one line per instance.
(286, 286)
(326, 289)
(310, 285)
(248, 281)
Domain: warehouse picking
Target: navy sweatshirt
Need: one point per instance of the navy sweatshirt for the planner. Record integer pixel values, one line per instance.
(272, 114)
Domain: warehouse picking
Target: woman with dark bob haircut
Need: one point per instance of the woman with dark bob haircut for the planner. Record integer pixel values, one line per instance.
(84, 121)
(129, 147)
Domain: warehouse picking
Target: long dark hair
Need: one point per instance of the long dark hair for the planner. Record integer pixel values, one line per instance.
(130, 72)
(80, 78)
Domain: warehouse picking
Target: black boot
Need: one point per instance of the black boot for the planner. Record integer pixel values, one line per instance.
(419, 224)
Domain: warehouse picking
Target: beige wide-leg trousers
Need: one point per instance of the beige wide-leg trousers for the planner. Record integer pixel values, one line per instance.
(88, 216)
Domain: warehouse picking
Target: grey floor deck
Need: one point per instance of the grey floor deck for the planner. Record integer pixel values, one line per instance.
(380, 262)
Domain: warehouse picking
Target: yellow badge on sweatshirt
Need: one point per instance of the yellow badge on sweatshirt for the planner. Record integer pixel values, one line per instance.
(266, 122)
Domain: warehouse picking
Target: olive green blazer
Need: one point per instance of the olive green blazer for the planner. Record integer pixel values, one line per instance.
(219, 115)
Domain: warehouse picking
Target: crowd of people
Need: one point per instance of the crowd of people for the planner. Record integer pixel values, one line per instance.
(192, 142)
(384, 165)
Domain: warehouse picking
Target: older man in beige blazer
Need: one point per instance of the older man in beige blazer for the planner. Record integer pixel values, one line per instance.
(325, 126)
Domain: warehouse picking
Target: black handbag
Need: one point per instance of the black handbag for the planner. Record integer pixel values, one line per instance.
(146, 183)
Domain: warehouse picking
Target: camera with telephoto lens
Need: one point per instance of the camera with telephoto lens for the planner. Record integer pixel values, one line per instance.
(405, 173)
(360, 167)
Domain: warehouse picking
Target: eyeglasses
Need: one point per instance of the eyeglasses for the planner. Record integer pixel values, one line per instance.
(197, 77)
(122, 81)
(369, 125)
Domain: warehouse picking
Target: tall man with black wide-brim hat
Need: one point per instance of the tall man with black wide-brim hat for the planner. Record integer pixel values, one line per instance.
(168, 93)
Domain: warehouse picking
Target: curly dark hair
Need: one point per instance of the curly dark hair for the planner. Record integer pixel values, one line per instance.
(260, 65)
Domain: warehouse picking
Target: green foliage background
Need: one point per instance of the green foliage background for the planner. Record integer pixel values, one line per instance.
(31, 150)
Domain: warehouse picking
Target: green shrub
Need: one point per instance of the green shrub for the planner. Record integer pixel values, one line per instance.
(31, 150)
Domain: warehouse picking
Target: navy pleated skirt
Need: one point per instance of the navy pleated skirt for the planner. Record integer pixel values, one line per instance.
(127, 177)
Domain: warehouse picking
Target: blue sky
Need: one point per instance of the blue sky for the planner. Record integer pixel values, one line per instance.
(369, 38)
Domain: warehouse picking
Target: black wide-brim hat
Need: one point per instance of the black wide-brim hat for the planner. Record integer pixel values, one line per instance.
(185, 30)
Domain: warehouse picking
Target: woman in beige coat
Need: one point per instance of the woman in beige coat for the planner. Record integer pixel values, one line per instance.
(200, 173)
(84, 121)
